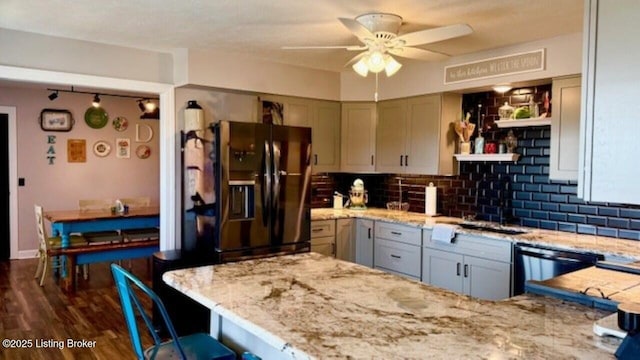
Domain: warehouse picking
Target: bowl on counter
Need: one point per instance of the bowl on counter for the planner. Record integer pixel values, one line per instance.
(395, 205)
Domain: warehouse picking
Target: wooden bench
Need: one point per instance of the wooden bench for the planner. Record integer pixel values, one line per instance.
(89, 254)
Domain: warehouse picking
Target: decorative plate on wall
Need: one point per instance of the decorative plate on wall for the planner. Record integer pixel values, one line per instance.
(120, 123)
(101, 148)
(96, 118)
(143, 151)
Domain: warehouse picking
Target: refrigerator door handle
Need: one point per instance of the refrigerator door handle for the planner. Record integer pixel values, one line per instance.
(266, 184)
(276, 176)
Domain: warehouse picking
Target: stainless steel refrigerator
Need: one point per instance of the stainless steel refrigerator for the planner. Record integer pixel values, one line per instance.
(262, 177)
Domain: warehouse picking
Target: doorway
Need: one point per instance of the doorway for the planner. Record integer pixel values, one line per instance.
(5, 249)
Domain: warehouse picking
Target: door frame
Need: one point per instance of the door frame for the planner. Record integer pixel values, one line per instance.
(13, 180)
(169, 146)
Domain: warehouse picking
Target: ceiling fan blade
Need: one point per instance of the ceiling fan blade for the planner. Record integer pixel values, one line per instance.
(434, 35)
(420, 54)
(355, 59)
(357, 29)
(347, 47)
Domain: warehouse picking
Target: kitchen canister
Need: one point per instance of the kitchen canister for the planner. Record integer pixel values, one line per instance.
(430, 199)
(193, 117)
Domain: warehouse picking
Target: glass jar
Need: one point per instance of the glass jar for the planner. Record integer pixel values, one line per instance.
(506, 111)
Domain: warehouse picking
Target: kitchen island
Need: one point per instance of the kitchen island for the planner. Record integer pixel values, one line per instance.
(312, 306)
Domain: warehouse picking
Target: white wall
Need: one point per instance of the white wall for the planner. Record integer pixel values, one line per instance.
(240, 72)
(563, 57)
(60, 186)
(36, 51)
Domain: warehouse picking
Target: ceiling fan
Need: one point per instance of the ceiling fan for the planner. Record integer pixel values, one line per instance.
(379, 34)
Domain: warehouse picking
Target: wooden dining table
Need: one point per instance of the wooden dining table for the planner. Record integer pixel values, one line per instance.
(66, 222)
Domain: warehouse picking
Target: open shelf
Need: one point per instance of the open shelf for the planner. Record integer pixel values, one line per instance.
(487, 157)
(507, 123)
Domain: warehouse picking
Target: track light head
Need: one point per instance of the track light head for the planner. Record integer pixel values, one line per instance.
(53, 95)
(141, 106)
(149, 106)
(96, 101)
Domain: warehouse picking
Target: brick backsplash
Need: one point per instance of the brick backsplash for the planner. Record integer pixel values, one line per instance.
(514, 192)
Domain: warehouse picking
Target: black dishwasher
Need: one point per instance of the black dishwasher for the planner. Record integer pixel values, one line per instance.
(537, 262)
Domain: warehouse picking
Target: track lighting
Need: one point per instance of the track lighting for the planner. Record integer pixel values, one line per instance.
(146, 105)
(149, 106)
(96, 101)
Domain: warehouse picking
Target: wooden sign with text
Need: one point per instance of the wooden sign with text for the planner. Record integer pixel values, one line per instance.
(497, 66)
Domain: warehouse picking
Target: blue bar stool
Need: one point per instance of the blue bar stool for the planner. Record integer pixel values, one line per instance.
(195, 346)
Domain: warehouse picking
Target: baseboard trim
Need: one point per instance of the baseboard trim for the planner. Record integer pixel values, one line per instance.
(27, 254)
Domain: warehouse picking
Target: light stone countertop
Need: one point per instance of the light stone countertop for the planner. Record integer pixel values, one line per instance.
(313, 306)
(607, 246)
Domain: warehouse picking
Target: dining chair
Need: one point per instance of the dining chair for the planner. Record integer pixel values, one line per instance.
(139, 234)
(48, 244)
(195, 346)
(99, 237)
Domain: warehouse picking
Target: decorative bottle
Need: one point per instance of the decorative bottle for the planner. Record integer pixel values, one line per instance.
(479, 143)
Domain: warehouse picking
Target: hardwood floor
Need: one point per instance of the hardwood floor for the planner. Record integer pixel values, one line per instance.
(47, 316)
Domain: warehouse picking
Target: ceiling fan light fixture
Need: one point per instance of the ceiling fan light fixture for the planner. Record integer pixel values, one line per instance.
(392, 66)
(501, 88)
(361, 68)
(376, 62)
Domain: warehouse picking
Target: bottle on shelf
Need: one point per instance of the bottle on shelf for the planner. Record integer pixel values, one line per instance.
(479, 144)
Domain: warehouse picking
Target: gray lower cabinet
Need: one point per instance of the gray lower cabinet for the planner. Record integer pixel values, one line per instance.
(397, 249)
(323, 237)
(364, 242)
(471, 265)
(345, 244)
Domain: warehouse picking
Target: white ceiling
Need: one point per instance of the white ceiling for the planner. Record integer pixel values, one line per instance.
(260, 27)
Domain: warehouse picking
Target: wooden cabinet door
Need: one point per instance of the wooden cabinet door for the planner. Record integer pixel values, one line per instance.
(486, 279)
(324, 245)
(608, 170)
(298, 112)
(565, 129)
(345, 244)
(326, 137)
(391, 133)
(358, 137)
(423, 135)
(442, 269)
(364, 242)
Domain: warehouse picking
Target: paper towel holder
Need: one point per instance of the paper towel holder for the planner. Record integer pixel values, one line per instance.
(430, 200)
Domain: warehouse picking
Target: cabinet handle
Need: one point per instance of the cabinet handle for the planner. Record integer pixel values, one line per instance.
(466, 270)
(396, 233)
(457, 269)
(371, 159)
(400, 160)
(315, 159)
(369, 231)
(316, 230)
(396, 256)
(406, 160)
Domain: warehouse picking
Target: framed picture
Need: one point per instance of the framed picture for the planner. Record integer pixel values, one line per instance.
(56, 120)
(123, 148)
(76, 150)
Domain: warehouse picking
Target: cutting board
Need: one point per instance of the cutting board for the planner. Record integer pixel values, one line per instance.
(593, 281)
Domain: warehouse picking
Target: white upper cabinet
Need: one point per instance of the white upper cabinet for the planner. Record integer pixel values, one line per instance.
(391, 134)
(414, 134)
(358, 137)
(325, 145)
(565, 129)
(608, 170)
